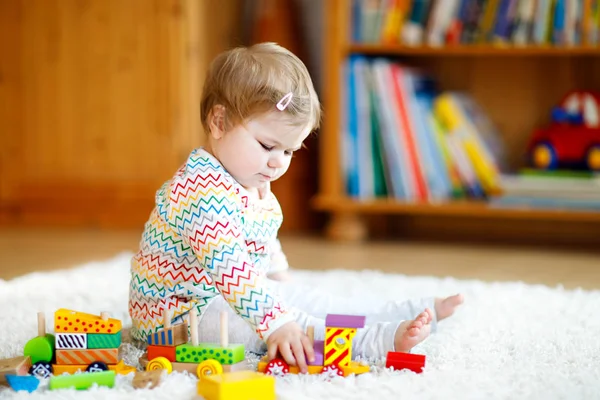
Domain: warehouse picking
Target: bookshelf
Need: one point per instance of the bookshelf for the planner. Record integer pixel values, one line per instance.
(516, 85)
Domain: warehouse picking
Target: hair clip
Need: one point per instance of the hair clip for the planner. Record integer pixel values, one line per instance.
(282, 105)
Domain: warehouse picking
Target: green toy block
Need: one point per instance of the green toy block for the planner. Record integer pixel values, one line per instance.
(40, 348)
(103, 340)
(83, 381)
(188, 353)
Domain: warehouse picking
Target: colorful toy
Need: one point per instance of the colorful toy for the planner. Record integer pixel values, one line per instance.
(240, 385)
(573, 138)
(399, 360)
(17, 366)
(82, 343)
(82, 381)
(167, 350)
(28, 383)
(332, 356)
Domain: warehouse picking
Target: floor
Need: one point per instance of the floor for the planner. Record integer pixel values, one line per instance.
(28, 250)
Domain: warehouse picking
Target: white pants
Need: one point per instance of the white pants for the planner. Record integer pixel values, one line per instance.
(311, 307)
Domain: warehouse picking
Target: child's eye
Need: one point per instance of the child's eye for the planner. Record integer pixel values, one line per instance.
(288, 152)
(264, 146)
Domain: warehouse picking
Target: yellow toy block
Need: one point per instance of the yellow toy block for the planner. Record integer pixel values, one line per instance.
(241, 385)
(77, 322)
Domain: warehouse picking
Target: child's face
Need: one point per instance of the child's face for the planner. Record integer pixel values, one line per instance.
(260, 151)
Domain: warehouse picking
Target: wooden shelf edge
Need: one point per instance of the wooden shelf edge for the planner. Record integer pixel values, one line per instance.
(472, 209)
(476, 50)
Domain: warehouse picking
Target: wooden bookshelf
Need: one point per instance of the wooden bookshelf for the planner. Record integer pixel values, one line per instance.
(517, 86)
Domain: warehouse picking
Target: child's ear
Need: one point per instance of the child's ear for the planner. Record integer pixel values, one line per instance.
(217, 122)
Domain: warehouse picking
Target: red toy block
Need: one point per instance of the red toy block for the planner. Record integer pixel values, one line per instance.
(161, 351)
(399, 360)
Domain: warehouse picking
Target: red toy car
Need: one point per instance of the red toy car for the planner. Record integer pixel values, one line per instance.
(573, 138)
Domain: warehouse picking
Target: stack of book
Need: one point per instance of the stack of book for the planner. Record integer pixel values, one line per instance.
(403, 139)
(561, 189)
(468, 22)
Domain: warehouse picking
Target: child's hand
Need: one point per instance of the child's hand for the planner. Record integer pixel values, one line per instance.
(291, 342)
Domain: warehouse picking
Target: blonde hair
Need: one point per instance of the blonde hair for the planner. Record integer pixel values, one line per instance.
(252, 80)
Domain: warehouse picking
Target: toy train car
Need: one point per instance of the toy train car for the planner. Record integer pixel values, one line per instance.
(81, 343)
(333, 356)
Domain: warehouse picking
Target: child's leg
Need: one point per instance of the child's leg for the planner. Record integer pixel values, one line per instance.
(374, 340)
(319, 303)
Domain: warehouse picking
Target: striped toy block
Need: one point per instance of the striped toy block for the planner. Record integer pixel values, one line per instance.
(88, 356)
(103, 340)
(173, 336)
(69, 321)
(69, 341)
(119, 368)
(167, 352)
(210, 351)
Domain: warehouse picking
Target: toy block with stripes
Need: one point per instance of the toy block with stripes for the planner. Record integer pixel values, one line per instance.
(14, 366)
(69, 321)
(87, 356)
(70, 341)
(169, 335)
(339, 332)
(399, 360)
(103, 340)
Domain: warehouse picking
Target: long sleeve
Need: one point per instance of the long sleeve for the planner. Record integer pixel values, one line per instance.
(205, 206)
(278, 259)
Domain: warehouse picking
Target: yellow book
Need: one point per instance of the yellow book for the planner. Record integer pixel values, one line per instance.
(457, 123)
(488, 20)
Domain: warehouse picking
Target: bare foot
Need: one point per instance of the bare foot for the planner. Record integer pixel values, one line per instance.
(411, 333)
(445, 307)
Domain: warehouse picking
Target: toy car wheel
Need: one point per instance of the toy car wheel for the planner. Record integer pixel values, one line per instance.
(97, 366)
(277, 367)
(209, 368)
(160, 363)
(331, 371)
(543, 156)
(41, 369)
(592, 158)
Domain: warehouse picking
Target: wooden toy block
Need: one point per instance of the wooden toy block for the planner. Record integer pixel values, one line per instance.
(119, 368)
(339, 332)
(147, 379)
(14, 366)
(167, 352)
(82, 381)
(28, 383)
(398, 360)
(69, 321)
(173, 336)
(103, 340)
(241, 385)
(88, 356)
(318, 347)
(231, 354)
(40, 348)
(70, 341)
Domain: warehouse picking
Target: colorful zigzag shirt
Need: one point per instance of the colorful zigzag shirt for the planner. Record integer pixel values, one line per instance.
(207, 237)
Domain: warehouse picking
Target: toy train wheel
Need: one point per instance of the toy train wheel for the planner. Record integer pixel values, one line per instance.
(97, 366)
(331, 371)
(160, 363)
(41, 369)
(277, 367)
(543, 156)
(592, 158)
(209, 368)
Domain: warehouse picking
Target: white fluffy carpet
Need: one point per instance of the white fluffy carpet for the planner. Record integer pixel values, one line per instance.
(509, 340)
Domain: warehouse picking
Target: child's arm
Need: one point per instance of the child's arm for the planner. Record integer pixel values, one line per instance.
(279, 268)
(205, 208)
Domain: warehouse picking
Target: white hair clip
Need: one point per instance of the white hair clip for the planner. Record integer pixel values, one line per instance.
(285, 101)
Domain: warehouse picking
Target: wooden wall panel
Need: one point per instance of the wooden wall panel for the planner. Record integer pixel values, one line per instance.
(100, 101)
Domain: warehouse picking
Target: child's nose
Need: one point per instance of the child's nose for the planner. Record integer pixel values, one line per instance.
(276, 161)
